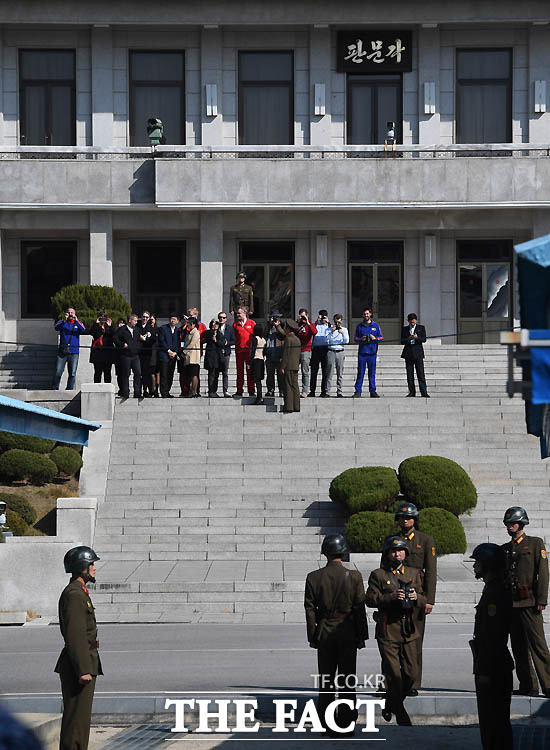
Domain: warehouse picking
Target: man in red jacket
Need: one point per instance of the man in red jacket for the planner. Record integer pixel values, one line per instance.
(244, 328)
(306, 331)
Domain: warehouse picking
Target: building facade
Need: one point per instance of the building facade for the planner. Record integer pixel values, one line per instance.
(278, 157)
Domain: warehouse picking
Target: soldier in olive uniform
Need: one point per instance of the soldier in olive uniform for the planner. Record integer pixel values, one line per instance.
(241, 295)
(79, 663)
(422, 555)
(527, 567)
(493, 665)
(336, 622)
(290, 364)
(397, 592)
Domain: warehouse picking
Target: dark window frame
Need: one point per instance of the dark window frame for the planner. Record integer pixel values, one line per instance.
(23, 82)
(350, 83)
(133, 84)
(484, 81)
(152, 243)
(266, 261)
(23, 245)
(242, 85)
(481, 243)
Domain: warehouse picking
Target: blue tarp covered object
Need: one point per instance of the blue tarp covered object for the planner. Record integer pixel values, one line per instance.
(28, 419)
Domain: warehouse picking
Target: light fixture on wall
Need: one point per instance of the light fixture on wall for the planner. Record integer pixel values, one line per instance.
(540, 96)
(430, 251)
(320, 98)
(321, 250)
(211, 100)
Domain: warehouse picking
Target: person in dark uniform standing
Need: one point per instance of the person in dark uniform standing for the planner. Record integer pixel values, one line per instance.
(527, 568)
(290, 364)
(78, 664)
(493, 665)
(396, 591)
(241, 295)
(336, 623)
(413, 336)
(422, 556)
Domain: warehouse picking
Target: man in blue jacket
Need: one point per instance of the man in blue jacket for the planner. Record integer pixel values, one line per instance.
(168, 343)
(70, 329)
(367, 335)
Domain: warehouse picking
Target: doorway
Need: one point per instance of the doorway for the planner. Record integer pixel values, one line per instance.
(269, 268)
(158, 277)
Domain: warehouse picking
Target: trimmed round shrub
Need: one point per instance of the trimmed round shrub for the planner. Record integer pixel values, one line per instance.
(365, 488)
(16, 524)
(66, 460)
(9, 440)
(446, 529)
(88, 300)
(17, 464)
(19, 505)
(437, 482)
(366, 531)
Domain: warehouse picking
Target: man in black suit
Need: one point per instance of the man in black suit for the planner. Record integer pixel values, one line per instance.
(412, 338)
(226, 330)
(129, 342)
(168, 343)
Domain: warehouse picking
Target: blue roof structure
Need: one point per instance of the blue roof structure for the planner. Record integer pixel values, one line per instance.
(27, 419)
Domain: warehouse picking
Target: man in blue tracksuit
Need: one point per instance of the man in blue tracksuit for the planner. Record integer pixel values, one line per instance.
(367, 335)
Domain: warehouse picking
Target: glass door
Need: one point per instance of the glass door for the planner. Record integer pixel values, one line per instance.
(484, 302)
(158, 278)
(269, 268)
(378, 286)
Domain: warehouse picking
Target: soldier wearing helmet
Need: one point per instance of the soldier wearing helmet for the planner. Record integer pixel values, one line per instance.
(527, 568)
(396, 591)
(78, 664)
(422, 555)
(336, 622)
(493, 665)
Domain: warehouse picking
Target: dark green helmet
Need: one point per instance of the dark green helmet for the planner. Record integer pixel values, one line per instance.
(395, 542)
(334, 545)
(406, 509)
(516, 514)
(490, 555)
(78, 559)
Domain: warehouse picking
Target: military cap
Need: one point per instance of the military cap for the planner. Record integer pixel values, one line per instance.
(516, 514)
(78, 559)
(395, 542)
(407, 509)
(291, 324)
(490, 555)
(334, 545)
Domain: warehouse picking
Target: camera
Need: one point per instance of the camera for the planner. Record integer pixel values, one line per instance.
(70, 319)
(303, 319)
(103, 319)
(275, 319)
(407, 603)
(338, 324)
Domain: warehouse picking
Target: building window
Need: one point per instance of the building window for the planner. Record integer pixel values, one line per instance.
(46, 267)
(484, 96)
(266, 98)
(158, 277)
(47, 97)
(373, 101)
(157, 89)
(269, 268)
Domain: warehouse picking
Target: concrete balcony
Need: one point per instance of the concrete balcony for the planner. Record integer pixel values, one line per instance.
(276, 177)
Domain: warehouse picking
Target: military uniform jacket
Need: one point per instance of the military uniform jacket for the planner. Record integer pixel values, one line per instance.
(291, 353)
(422, 555)
(527, 566)
(491, 630)
(391, 624)
(79, 631)
(322, 586)
(241, 296)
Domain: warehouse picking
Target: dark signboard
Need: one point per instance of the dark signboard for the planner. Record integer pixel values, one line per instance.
(374, 51)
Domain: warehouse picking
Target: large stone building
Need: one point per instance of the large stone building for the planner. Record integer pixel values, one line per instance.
(275, 116)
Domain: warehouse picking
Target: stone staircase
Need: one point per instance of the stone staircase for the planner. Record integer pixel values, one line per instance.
(216, 509)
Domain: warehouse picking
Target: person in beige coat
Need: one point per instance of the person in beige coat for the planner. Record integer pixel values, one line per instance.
(191, 358)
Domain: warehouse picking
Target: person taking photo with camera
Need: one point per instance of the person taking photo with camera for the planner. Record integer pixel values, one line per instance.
(306, 331)
(338, 339)
(70, 330)
(102, 353)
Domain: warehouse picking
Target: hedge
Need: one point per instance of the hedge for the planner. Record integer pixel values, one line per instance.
(9, 440)
(366, 531)
(18, 464)
(434, 481)
(16, 524)
(365, 488)
(446, 529)
(67, 460)
(88, 300)
(19, 505)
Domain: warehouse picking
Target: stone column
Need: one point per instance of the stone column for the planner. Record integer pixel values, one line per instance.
(429, 280)
(428, 72)
(102, 86)
(211, 73)
(101, 248)
(2, 314)
(211, 257)
(539, 70)
(320, 56)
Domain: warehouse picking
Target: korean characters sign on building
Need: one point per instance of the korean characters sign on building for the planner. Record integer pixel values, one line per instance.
(374, 51)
